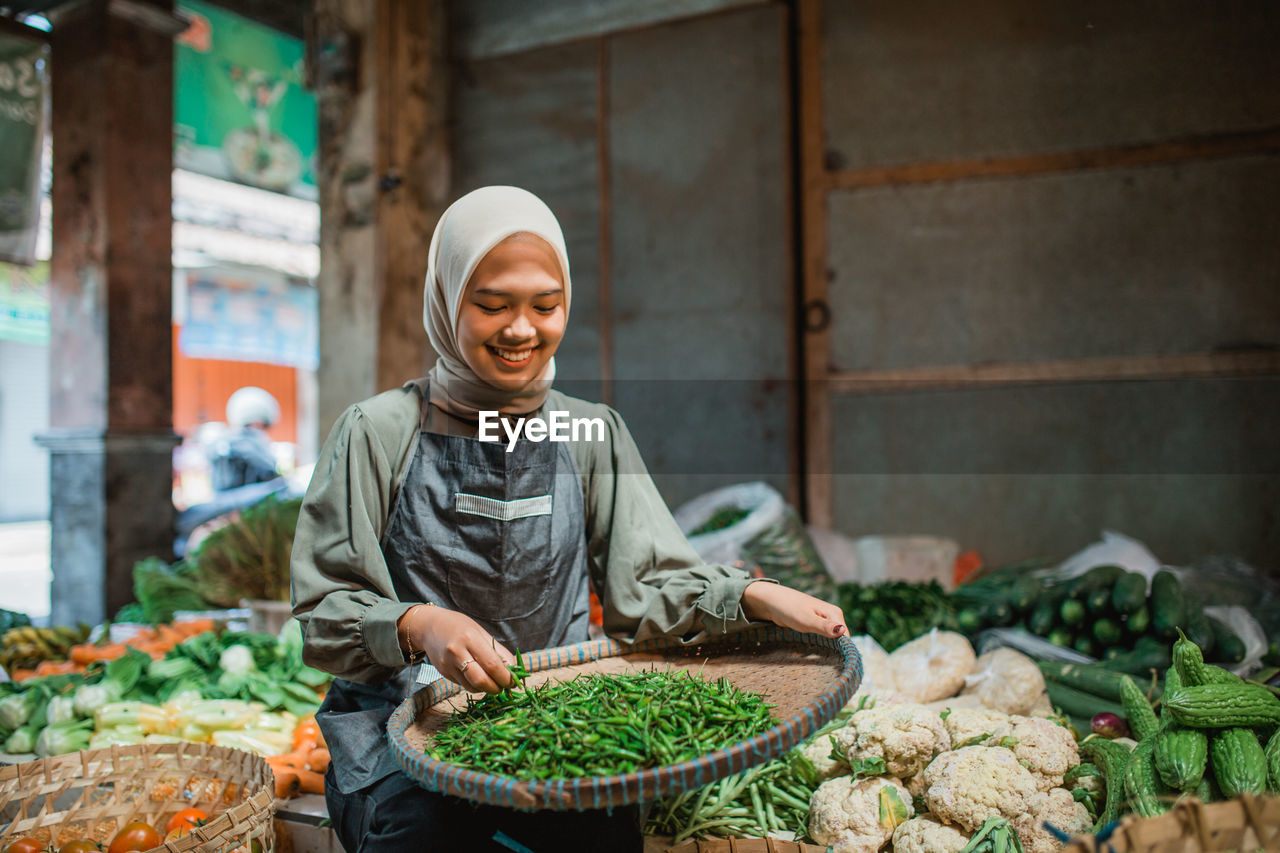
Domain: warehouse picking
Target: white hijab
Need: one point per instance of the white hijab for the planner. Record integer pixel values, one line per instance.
(466, 232)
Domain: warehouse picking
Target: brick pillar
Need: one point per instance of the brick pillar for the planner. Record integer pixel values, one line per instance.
(111, 373)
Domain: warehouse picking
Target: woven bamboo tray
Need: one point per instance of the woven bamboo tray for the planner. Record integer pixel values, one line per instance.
(93, 794)
(1245, 824)
(808, 678)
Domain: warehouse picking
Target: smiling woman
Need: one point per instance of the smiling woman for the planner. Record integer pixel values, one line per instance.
(421, 540)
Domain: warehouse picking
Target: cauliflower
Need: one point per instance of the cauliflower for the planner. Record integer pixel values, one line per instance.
(818, 751)
(1042, 707)
(907, 737)
(966, 724)
(869, 697)
(858, 815)
(1007, 681)
(932, 666)
(1058, 808)
(925, 834)
(1045, 748)
(969, 785)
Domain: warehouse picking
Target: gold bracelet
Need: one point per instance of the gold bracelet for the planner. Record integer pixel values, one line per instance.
(413, 656)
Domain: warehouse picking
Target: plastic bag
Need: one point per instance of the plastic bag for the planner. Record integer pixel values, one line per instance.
(768, 535)
(1239, 620)
(933, 666)
(1114, 549)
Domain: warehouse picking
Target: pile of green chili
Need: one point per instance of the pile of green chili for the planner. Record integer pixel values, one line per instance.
(600, 725)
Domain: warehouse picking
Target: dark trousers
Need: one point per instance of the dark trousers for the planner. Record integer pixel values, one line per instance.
(397, 814)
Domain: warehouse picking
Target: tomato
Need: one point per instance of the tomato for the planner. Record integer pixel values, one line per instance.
(81, 845)
(26, 844)
(186, 818)
(137, 835)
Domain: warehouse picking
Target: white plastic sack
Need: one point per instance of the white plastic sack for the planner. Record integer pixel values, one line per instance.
(1250, 633)
(766, 508)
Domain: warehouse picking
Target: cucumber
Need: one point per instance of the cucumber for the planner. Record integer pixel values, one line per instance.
(1139, 621)
(1099, 602)
(1238, 761)
(997, 612)
(1060, 637)
(1168, 606)
(1078, 703)
(1084, 645)
(1229, 645)
(1025, 593)
(1043, 618)
(969, 621)
(1096, 578)
(1146, 655)
(1071, 612)
(1129, 592)
(1107, 631)
(1088, 677)
(1200, 631)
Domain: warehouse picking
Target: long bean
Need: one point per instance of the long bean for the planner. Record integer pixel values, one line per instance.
(599, 725)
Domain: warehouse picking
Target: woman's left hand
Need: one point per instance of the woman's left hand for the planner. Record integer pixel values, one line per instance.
(793, 609)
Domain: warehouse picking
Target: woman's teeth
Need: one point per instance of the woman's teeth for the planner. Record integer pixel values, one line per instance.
(513, 356)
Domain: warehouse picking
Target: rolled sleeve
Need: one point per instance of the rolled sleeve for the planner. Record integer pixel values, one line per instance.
(650, 580)
(341, 588)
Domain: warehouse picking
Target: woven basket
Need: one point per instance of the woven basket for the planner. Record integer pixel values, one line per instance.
(808, 678)
(93, 794)
(1245, 824)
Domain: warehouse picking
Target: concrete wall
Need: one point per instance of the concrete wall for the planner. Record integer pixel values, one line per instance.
(24, 413)
(1179, 256)
(662, 150)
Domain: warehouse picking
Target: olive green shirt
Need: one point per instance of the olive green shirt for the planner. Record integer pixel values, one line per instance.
(649, 579)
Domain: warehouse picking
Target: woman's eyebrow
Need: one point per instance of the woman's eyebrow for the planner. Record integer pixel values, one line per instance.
(487, 291)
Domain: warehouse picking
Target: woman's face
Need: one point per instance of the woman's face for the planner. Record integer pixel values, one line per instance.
(512, 315)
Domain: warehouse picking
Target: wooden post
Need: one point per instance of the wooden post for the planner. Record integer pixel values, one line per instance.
(111, 374)
(380, 77)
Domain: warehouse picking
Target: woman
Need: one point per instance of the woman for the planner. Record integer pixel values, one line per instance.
(418, 540)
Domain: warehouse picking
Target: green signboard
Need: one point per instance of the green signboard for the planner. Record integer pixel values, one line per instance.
(23, 95)
(241, 111)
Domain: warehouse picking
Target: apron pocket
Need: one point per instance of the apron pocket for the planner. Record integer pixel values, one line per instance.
(498, 572)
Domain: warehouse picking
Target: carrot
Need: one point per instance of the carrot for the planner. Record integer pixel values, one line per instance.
(306, 734)
(55, 667)
(190, 627)
(21, 674)
(167, 634)
(311, 782)
(111, 651)
(84, 653)
(287, 785)
(318, 760)
(289, 762)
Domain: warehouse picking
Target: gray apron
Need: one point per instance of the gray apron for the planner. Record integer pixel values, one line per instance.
(498, 536)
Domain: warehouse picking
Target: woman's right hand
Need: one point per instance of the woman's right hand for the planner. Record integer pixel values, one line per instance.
(455, 644)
